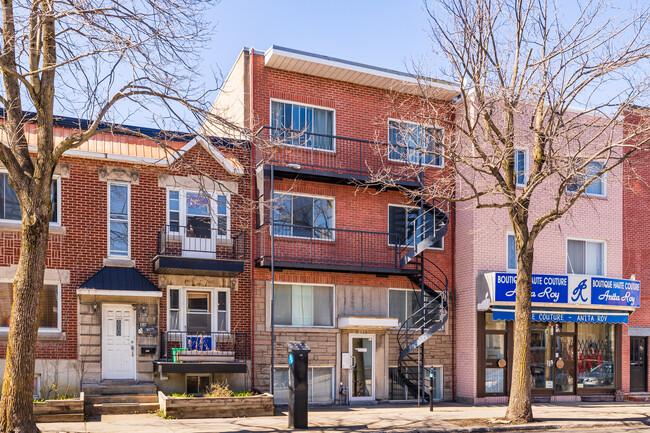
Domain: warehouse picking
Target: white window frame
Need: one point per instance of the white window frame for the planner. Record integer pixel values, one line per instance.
(603, 179)
(426, 126)
(319, 107)
(596, 241)
(56, 223)
(108, 219)
(311, 394)
(508, 234)
(292, 194)
(208, 375)
(426, 369)
(314, 285)
(58, 300)
(182, 307)
(441, 330)
(182, 210)
(37, 378)
(526, 166)
(441, 248)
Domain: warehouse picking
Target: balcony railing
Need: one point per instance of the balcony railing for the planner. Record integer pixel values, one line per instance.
(324, 248)
(201, 242)
(181, 346)
(339, 155)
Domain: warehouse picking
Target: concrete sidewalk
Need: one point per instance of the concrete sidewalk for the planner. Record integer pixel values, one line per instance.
(381, 418)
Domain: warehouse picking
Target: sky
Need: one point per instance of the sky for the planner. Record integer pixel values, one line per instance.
(379, 32)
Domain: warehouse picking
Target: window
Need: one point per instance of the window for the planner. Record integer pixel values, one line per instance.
(416, 144)
(303, 216)
(512, 253)
(321, 384)
(401, 227)
(303, 305)
(596, 355)
(118, 219)
(299, 125)
(585, 257)
(37, 386)
(48, 308)
(198, 310)
(197, 384)
(196, 214)
(403, 303)
(597, 187)
(9, 207)
(399, 391)
(521, 166)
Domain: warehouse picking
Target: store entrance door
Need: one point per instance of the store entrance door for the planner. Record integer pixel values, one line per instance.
(553, 358)
(638, 364)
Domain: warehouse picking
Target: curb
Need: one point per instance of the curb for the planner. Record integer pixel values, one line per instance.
(521, 427)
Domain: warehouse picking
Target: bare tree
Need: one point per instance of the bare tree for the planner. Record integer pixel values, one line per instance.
(554, 80)
(95, 59)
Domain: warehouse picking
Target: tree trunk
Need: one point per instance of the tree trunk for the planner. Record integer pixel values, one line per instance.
(16, 405)
(519, 405)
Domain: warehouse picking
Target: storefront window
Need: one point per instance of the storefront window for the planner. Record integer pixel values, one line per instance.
(494, 325)
(596, 356)
(495, 355)
(540, 353)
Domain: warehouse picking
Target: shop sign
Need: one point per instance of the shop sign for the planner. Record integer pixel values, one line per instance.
(571, 289)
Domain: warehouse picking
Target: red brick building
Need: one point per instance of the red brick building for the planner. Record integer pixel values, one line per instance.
(636, 204)
(346, 262)
(132, 226)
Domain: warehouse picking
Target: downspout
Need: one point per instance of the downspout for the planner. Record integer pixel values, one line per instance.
(453, 308)
(253, 248)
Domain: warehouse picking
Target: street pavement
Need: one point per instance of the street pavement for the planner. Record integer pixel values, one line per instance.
(574, 417)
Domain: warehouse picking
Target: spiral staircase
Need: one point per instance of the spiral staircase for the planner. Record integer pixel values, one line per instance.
(428, 228)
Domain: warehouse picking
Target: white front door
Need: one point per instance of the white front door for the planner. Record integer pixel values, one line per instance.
(118, 342)
(362, 370)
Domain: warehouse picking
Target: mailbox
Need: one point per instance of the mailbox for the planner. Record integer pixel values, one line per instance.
(298, 383)
(147, 350)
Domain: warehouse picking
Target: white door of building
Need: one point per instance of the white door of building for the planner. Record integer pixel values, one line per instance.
(118, 342)
(362, 371)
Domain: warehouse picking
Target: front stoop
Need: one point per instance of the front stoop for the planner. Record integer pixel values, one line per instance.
(120, 398)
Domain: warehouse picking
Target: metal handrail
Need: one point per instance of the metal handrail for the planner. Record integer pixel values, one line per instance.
(177, 240)
(224, 346)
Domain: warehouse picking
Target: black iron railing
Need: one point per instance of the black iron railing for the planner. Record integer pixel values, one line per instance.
(342, 155)
(302, 245)
(181, 346)
(201, 242)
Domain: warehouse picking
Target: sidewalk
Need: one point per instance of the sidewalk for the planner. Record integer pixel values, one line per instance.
(381, 418)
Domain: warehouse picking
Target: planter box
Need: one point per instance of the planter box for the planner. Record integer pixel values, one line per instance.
(60, 410)
(216, 407)
(204, 356)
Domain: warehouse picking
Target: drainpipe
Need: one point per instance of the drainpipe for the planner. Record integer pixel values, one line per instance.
(253, 248)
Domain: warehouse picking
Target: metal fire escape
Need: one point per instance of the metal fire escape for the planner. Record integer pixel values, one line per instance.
(429, 227)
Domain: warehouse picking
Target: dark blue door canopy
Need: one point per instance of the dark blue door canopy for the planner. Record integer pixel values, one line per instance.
(119, 278)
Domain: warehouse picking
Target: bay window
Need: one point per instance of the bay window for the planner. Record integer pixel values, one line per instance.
(304, 305)
(303, 216)
(301, 125)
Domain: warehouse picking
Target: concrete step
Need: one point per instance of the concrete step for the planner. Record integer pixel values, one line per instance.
(638, 396)
(121, 398)
(120, 408)
(119, 387)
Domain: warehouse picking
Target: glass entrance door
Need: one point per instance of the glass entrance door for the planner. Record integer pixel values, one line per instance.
(362, 348)
(565, 363)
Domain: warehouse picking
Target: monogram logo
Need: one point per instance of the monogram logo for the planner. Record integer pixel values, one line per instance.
(577, 292)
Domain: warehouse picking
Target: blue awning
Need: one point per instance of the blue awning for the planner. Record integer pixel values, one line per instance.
(579, 316)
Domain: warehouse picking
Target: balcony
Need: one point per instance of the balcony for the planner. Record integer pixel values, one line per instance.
(300, 247)
(203, 352)
(200, 251)
(307, 156)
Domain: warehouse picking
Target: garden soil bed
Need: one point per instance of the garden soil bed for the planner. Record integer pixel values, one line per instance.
(71, 409)
(216, 407)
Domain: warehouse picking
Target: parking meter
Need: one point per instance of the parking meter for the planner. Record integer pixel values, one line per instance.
(298, 383)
